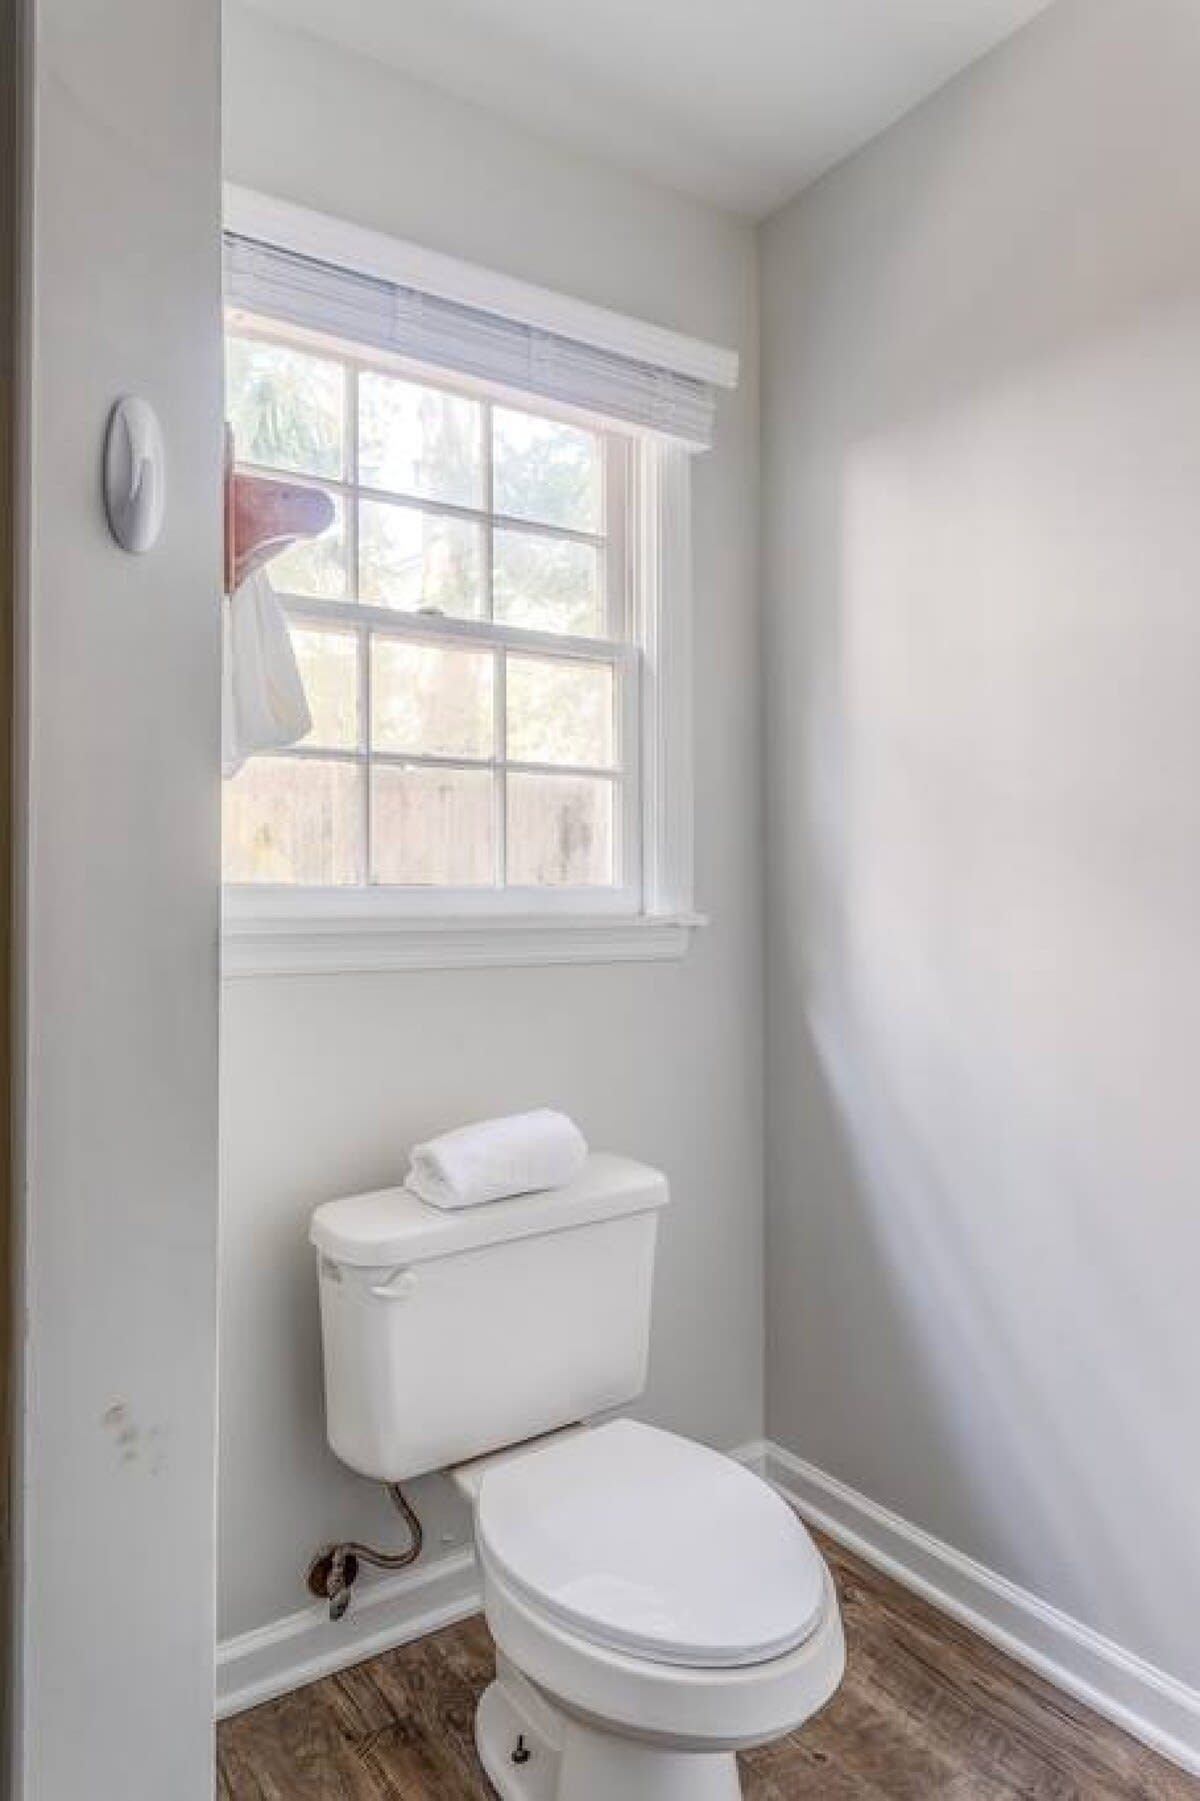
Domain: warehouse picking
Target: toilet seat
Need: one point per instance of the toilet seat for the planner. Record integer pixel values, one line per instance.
(694, 1709)
(653, 1547)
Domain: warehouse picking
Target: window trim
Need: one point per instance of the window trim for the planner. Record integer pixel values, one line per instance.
(288, 931)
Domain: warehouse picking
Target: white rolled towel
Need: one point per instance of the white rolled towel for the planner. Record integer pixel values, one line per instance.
(496, 1158)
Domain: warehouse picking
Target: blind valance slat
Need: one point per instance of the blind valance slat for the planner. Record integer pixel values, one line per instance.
(264, 279)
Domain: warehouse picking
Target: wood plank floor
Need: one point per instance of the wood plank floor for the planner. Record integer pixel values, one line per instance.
(927, 1712)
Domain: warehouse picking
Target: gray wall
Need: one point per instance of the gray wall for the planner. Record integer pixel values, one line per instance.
(982, 446)
(326, 1081)
(118, 811)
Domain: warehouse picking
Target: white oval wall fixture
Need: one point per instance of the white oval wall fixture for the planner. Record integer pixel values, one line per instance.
(135, 490)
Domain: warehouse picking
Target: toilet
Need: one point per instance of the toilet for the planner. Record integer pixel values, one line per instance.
(655, 1606)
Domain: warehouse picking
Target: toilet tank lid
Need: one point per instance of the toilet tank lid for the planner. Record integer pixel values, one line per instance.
(392, 1225)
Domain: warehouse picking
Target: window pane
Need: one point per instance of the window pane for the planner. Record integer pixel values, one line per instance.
(560, 830)
(431, 702)
(415, 440)
(410, 559)
(560, 711)
(315, 567)
(547, 471)
(328, 663)
(433, 826)
(547, 584)
(293, 819)
(285, 407)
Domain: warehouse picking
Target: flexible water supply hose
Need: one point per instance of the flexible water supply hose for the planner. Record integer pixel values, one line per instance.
(332, 1572)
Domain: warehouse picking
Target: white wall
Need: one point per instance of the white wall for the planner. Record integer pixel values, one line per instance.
(119, 681)
(326, 1081)
(982, 445)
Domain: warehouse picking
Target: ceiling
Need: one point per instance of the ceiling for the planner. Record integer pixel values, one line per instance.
(739, 102)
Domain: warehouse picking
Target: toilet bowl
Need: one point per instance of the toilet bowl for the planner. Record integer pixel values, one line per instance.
(655, 1608)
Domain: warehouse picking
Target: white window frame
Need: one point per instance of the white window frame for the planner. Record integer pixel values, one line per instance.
(273, 930)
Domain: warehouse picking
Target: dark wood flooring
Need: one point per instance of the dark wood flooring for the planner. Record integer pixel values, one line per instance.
(927, 1712)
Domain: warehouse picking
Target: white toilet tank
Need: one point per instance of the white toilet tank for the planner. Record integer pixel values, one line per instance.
(450, 1334)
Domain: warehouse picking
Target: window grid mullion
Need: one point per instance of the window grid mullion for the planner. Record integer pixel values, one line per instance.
(427, 503)
(350, 505)
(500, 779)
(415, 759)
(606, 558)
(366, 702)
(500, 663)
(350, 492)
(441, 628)
(489, 549)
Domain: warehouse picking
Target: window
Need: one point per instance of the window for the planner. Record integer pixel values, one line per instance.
(494, 632)
(464, 635)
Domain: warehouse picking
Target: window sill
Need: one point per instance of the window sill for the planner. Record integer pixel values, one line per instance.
(283, 946)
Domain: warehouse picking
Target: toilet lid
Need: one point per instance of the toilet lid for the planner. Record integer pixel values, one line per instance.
(652, 1545)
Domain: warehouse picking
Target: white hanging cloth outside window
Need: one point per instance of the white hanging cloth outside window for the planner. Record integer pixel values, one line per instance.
(263, 704)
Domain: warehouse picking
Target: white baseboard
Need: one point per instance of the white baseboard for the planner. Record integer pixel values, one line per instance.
(302, 1647)
(274, 1659)
(285, 1654)
(1156, 1708)
(754, 1455)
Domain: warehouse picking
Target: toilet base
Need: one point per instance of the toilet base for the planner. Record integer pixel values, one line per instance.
(569, 1761)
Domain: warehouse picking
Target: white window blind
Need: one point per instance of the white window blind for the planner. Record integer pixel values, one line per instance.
(443, 334)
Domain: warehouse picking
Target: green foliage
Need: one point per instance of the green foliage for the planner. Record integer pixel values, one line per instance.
(546, 471)
(285, 407)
